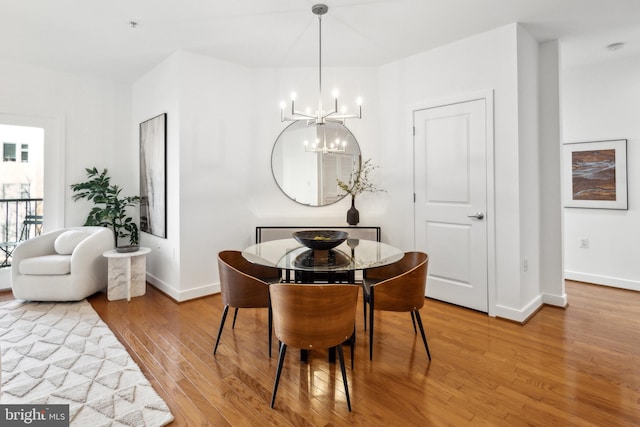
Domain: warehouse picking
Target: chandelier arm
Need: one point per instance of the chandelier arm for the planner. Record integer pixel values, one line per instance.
(295, 112)
(345, 116)
(298, 117)
(332, 112)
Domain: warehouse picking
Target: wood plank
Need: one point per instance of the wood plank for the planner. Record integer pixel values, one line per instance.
(574, 366)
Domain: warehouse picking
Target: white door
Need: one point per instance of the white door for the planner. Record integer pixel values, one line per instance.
(450, 149)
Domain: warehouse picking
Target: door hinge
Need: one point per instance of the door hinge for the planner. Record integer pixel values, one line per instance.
(414, 131)
(414, 197)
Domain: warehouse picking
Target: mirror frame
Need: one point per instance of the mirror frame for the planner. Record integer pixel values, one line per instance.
(356, 157)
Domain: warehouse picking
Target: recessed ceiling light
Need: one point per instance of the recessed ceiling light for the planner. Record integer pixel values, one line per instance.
(615, 46)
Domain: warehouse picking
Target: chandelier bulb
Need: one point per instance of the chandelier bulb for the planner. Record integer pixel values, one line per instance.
(293, 96)
(359, 101)
(335, 93)
(283, 105)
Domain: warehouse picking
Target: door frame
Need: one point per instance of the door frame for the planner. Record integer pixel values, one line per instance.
(54, 163)
(488, 97)
(54, 171)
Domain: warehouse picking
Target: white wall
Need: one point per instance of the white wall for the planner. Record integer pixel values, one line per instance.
(601, 102)
(488, 61)
(268, 205)
(528, 167)
(216, 137)
(94, 116)
(208, 140)
(222, 121)
(550, 134)
(228, 119)
(155, 93)
(87, 123)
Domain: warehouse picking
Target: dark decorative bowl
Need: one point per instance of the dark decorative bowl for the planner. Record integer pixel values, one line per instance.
(320, 239)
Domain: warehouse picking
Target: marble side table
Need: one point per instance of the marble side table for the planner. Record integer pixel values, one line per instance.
(127, 274)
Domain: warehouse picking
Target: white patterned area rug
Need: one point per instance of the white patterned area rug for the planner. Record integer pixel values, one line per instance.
(63, 353)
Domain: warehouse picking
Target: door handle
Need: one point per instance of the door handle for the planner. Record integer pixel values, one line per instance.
(479, 215)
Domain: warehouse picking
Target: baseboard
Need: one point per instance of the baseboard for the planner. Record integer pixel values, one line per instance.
(185, 295)
(555, 300)
(615, 282)
(202, 291)
(521, 315)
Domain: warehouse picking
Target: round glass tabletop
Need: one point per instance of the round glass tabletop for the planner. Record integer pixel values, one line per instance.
(353, 254)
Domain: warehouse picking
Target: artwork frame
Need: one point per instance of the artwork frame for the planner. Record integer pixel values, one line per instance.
(595, 174)
(153, 176)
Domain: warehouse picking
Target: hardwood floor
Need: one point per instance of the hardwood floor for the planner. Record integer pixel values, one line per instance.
(578, 366)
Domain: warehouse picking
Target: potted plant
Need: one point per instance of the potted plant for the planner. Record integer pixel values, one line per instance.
(110, 208)
(359, 182)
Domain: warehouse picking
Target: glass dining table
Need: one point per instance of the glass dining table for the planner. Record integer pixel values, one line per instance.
(308, 265)
(334, 265)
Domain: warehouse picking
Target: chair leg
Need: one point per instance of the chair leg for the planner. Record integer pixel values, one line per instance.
(413, 320)
(344, 376)
(224, 317)
(352, 341)
(283, 351)
(424, 338)
(364, 306)
(270, 329)
(371, 325)
(235, 316)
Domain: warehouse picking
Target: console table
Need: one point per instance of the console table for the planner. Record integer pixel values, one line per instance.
(127, 274)
(271, 232)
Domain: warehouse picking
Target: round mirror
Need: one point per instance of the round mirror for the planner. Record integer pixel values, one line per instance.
(308, 159)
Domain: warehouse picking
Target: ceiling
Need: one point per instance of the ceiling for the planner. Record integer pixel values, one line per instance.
(96, 38)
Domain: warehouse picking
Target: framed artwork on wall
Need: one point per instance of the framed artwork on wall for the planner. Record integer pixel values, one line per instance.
(153, 179)
(595, 174)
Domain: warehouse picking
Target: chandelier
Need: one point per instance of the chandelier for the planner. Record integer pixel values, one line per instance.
(321, 116)
(325, 144)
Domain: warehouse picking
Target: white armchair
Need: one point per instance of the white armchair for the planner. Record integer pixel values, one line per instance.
(61, 265)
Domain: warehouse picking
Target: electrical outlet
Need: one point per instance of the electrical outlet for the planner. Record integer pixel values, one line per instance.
(584, 243)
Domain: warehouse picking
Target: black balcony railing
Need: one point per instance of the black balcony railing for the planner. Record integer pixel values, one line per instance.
(20, 219)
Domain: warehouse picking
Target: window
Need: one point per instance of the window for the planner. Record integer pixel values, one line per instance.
(9, 152)
(25, 191)
(10, 190)
(24, 153)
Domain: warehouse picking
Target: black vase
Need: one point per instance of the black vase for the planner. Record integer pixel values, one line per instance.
(353, 216)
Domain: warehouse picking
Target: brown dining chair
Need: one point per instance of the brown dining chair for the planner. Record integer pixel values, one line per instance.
(244, 285)
(314, 316)
(397, 287)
